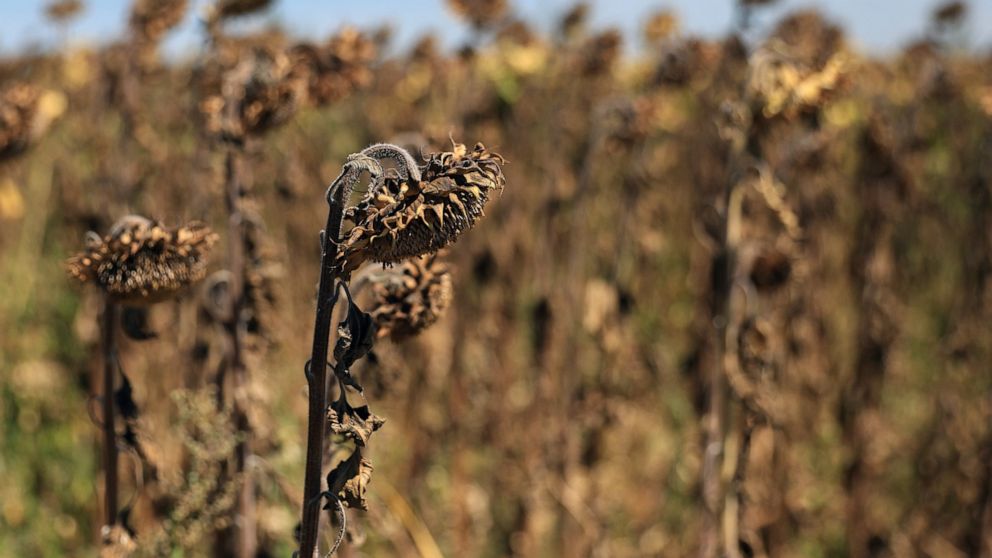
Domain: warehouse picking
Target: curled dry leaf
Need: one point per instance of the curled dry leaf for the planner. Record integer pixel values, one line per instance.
(356, 334)
(356, 423)
(350, 479)
(141, 261)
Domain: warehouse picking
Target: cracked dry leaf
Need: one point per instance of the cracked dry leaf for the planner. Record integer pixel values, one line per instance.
(350, 479)
(357, 424)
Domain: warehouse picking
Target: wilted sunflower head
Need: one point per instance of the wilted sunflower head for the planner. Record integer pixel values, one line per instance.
(63, 10)
(410, 211)
(141, 262)
(600, 53)
(335, 69)
(410, 298)
(479, 13)
(257, 95)
(152, 19)
(779, 83)
(223, 9)
(26, 112)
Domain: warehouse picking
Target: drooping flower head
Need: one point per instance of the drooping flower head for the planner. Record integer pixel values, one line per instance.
(142, 262)
(413, 211)
(410, 298)
(333, 70)
(257, 95)
(26, 112)
(151, 19)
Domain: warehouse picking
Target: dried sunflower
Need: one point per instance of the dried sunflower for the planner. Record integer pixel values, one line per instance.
(335, 69)
(259, 94)
(574, 21)
(417, 211)
(63, 10)
(411, 298)
(599, 54)
(660, 27)
(142, 262)
(780, 84)
(26, 112)
(480, 13)
(152, 19)
(224, 9)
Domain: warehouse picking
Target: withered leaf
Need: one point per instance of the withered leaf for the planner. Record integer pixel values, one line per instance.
(356, 334)
(349, 480)
(124, 400)
(134, 322)
(355, 423)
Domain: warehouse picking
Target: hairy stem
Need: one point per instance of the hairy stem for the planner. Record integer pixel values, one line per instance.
(110, 317)
(405, 164)
(316, 369)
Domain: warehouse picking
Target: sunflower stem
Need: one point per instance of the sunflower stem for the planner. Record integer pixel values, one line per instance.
(109, 346)
(316, 370)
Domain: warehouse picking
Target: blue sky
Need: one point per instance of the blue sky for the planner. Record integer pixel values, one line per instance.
(878, 25)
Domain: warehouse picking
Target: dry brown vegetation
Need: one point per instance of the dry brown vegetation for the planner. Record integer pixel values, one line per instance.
(730, 301)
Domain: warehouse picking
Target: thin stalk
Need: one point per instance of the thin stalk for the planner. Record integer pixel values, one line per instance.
(714, 422)
(246, 540)
(110, 318)
(740, 477)
(723, 272)
(316, 368)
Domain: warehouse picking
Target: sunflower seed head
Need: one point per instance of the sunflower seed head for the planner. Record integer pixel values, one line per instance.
(410, 298)
(333, 70)
(152, 19)
(141, 262)
(403, 218)
(257, 95)
(479, 13)
(26, 112)
(63, 10)
(224, 9)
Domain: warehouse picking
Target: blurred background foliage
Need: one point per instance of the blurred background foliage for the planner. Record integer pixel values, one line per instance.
(819, 216)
